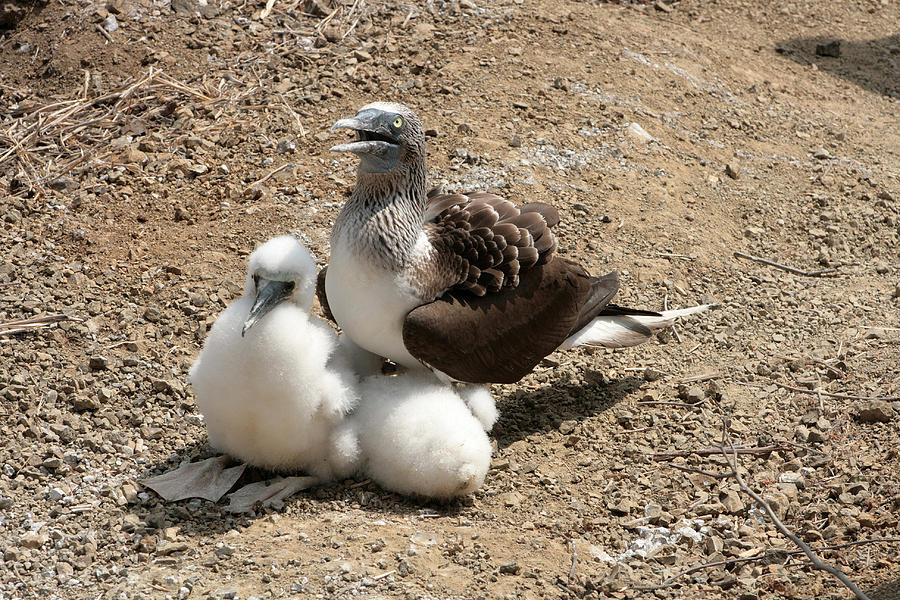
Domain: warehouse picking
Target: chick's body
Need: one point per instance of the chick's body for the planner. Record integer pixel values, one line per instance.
(270, 398)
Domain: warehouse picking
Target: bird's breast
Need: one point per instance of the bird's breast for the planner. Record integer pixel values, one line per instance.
(370, 303)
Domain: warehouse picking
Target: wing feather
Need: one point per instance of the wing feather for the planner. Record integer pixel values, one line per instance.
(478, 231)
(499, 338)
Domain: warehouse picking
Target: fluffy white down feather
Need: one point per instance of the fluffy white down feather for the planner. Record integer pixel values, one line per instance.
(417, 436)
(268, 398)
(481, 403)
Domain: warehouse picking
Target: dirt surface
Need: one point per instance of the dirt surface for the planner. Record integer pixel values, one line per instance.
(668, 135)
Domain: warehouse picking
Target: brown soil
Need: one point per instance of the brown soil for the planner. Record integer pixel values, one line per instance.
(135, 212)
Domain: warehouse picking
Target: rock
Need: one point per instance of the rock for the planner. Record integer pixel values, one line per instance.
(567, 427)
(184, 7)
(638, 133)
(63, 184)
(831, 49)
(651, 374)
(712, 544)
(623, 506)
(733, 171)
(510, 568)
(896, 292)
(515, 141)
(226, 593)
(98, 363)
(693, 394)
(874, 411)
(33, 540)
(362, 55)
(778, 502)
(110, 24)
(85, 403)
(821, 153)
(285, 146)
(794, 478)
(753, 233)
(181, 214)
(732, 502)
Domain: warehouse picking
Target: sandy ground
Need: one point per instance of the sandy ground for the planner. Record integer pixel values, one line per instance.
(146, 148)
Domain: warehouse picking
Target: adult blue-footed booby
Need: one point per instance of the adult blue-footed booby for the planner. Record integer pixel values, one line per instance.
(464, 284)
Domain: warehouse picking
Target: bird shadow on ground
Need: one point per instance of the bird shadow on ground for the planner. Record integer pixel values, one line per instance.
(523, 412)
(202, 518)
(870, 64)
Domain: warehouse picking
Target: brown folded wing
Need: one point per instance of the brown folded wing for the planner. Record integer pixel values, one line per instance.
(500, 337)
(483, 243)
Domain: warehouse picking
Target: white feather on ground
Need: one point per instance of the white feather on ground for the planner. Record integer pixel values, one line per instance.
(268, 398)
(621, 331)
(417, 436)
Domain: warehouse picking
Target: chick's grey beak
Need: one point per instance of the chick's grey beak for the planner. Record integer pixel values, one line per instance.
(268, 295)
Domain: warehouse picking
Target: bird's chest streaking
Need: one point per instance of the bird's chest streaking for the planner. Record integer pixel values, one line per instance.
(370, 300)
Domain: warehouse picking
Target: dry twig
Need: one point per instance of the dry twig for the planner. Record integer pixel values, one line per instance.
(670, 581)
(793, 270)
(39, 137)
(712, 450)
(817, 562)
(816, 392)
(32, 323)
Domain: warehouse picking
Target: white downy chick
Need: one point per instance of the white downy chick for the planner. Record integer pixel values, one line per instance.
(263, 385)
(417, 436)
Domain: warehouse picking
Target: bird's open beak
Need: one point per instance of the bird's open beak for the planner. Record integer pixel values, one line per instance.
(375, 145)
(268, 296)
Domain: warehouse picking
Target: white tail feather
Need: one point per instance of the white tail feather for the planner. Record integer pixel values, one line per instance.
(623, 331)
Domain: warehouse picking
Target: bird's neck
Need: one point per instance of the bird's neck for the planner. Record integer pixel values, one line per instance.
(382, 219)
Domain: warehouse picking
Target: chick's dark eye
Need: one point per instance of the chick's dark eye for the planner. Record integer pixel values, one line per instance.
(290, 286)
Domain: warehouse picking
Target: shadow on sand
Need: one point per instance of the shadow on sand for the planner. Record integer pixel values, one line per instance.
(870, 64)
(523, 412)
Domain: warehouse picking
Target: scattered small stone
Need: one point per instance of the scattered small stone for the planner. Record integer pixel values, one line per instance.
(510, 568)
(638, 133)
(515, 141)
(821, 153)
(98, 363)
(110, 24)
(286, 146)
(874, 411)
(733, 171)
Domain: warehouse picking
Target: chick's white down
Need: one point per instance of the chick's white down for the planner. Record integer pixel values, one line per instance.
(268, 398)
(281, 397)
(416, 435)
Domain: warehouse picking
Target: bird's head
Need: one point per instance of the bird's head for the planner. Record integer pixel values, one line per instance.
(281, 269)
(387, 136)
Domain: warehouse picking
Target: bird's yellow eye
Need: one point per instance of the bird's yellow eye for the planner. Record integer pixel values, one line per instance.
(398, 122)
